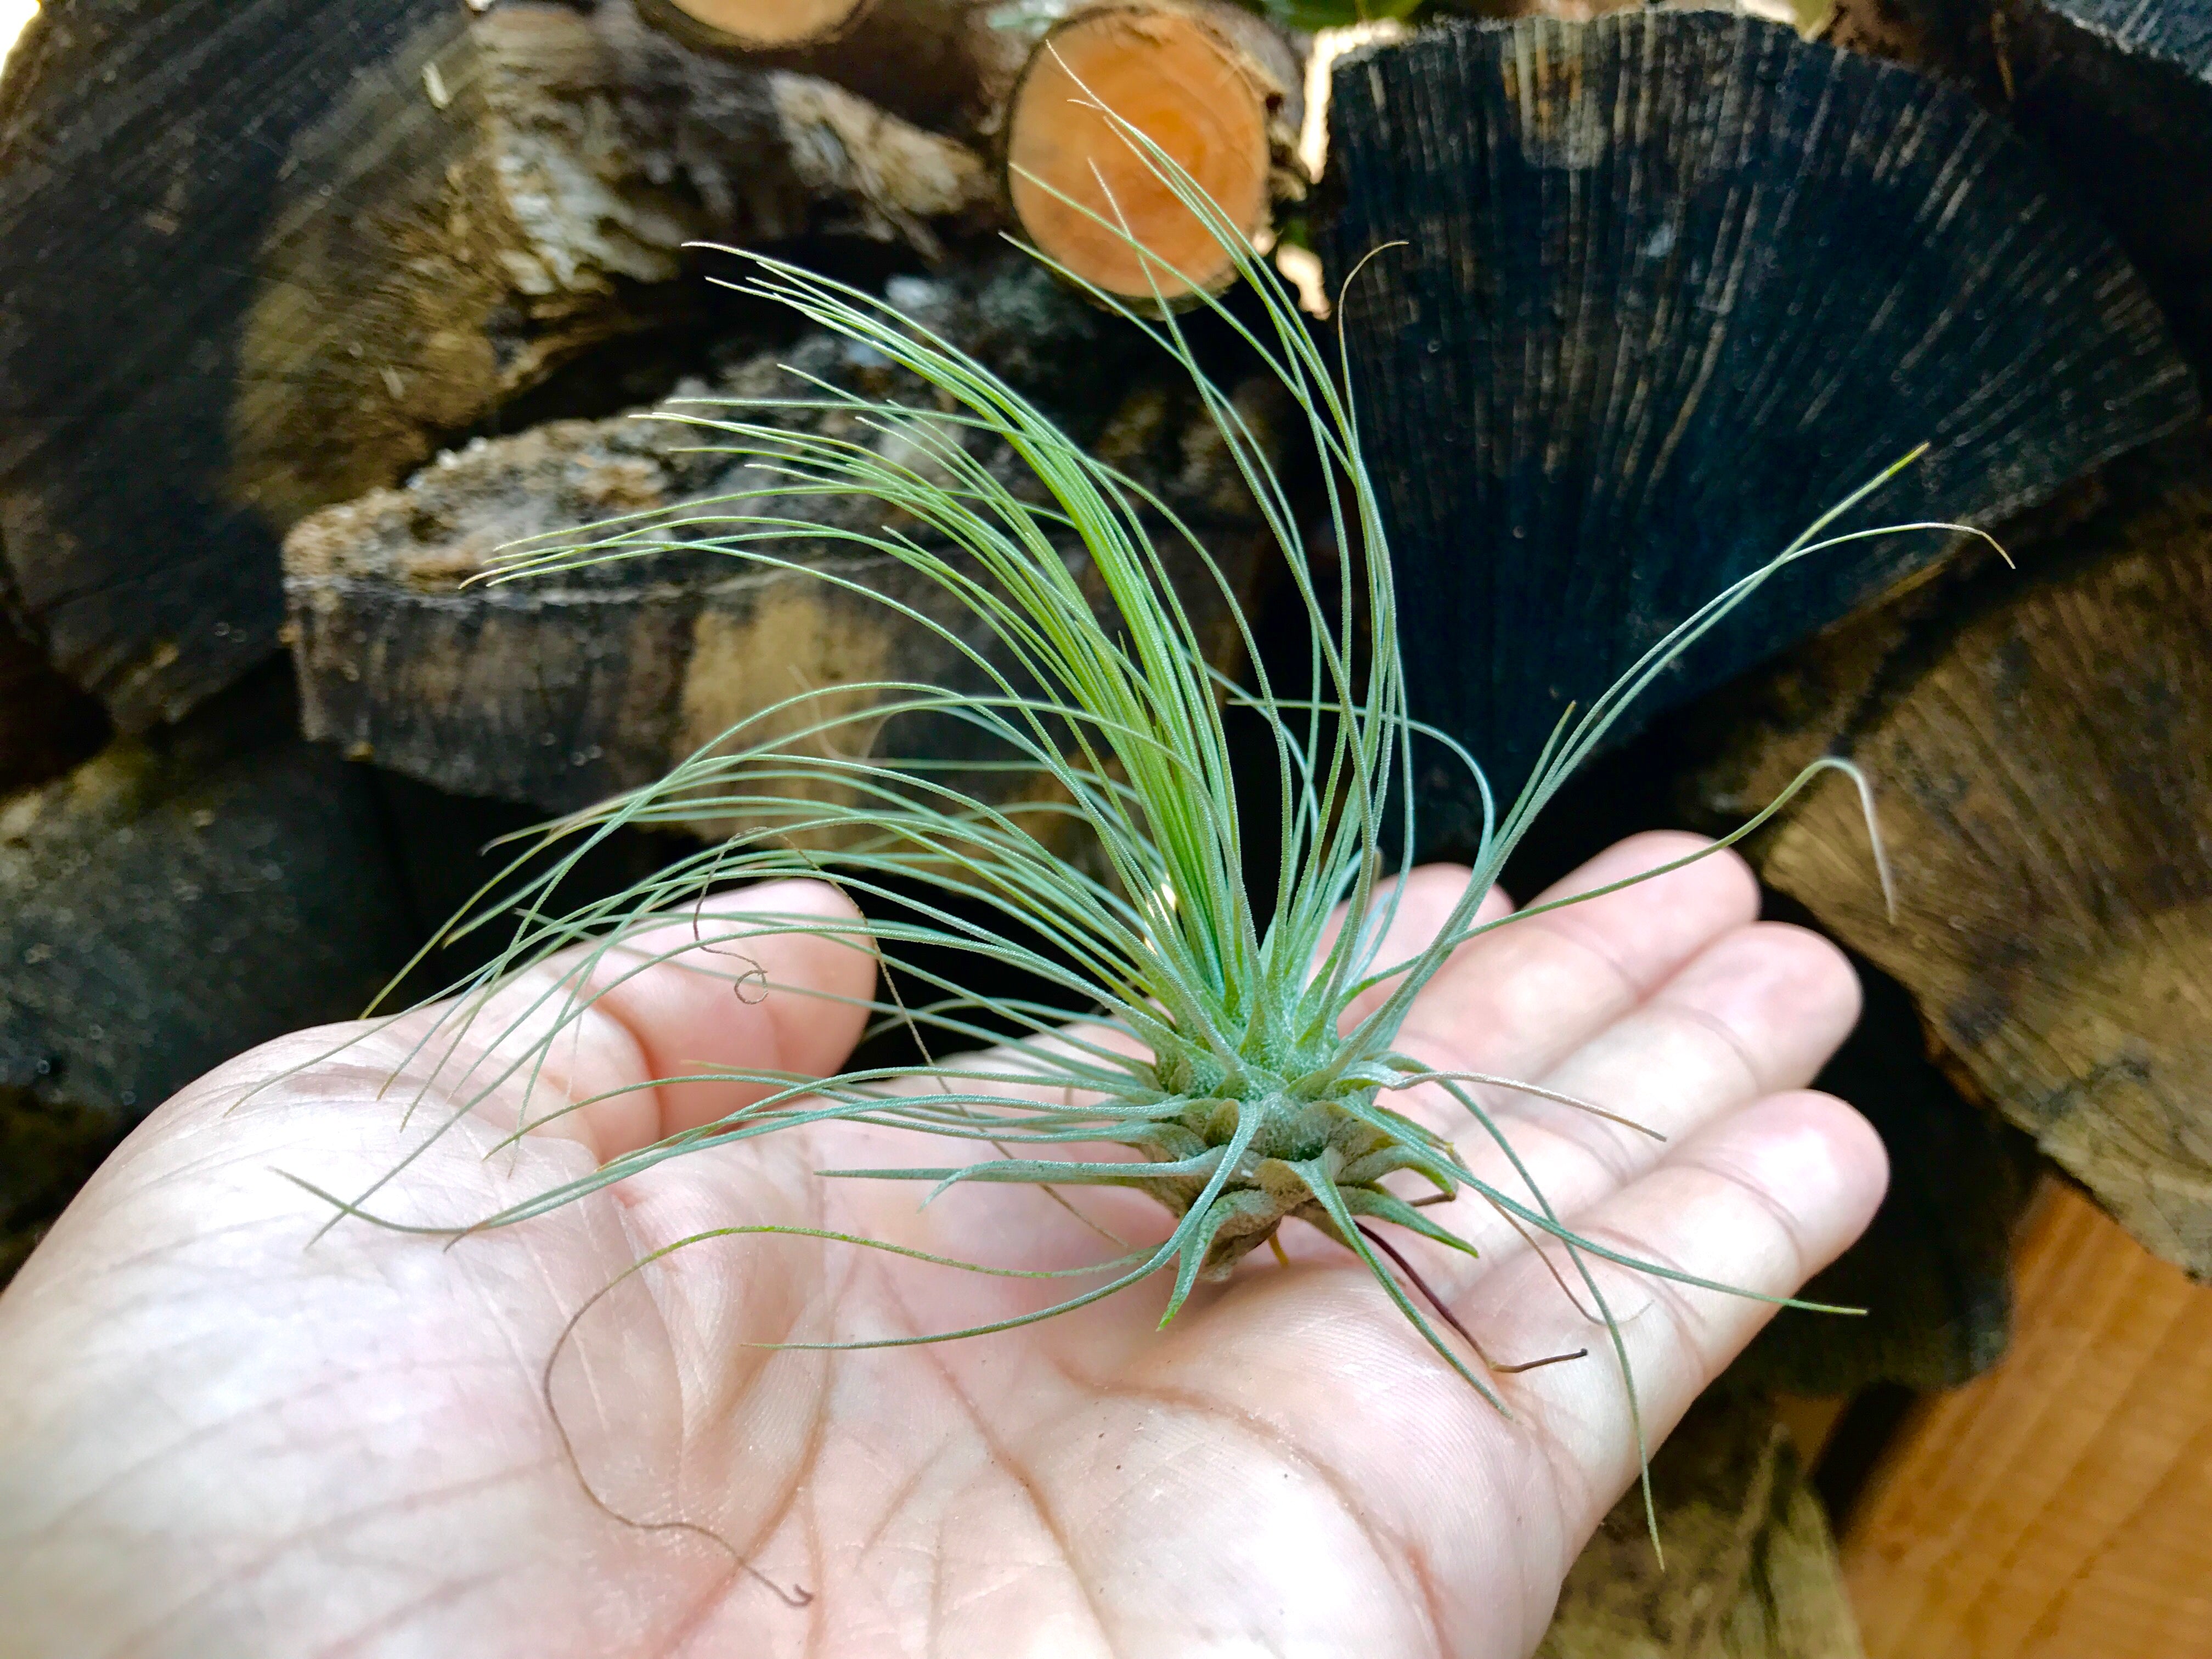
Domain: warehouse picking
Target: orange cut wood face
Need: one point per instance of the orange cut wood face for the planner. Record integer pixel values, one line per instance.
(772, 22)
(1183, 85)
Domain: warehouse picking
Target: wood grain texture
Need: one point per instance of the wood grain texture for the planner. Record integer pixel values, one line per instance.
(2118, 96)
(435, 257)
(1751, 1571)
(2041, 746)
(136, 179)
(178, 898)
(227, 310)
(562, 690)
(2061, 1507)
(1215, 87)
(1674, 283)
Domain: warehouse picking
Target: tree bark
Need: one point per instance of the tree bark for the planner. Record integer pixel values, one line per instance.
(1750, 1570)
(944, 64)
(170, 903)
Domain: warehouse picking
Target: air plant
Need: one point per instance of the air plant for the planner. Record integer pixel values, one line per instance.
(1218, 1072)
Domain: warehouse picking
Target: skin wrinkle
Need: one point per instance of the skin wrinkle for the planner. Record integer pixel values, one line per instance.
(1001, 1457)
(1287, 1450)
(1730, 1036)
(624, 1584)
(254, 1566)
(1763, 1200)
(214, 1426)
(399, 1617)
(764, 1530)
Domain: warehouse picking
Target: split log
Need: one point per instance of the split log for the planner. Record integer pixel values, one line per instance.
(563, 690)
(1676, 283)
(2117, 98)
(2040, 742)
(135, 167)
(557, 169)
(944, 64)
(273, 302)
(1751, 1571)
(1215, 87)
(170, 903)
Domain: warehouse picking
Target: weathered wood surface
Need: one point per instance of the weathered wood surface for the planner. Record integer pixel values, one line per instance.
(1751, 1571)
(2042, 747)
(2117, 98)
(137, 176)
(2061, 1507)
(226, 309)
(169, 903)
(561, 690)
(1676, 282)
(532, 200)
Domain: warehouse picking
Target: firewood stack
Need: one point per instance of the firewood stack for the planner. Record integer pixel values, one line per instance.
(310, 308)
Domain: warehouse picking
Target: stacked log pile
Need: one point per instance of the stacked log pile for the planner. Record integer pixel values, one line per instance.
(279, 373)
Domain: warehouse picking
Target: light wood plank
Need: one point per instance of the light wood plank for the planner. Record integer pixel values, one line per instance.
(2061, 1506)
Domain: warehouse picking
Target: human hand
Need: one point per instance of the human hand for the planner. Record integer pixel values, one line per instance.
(216, 1441)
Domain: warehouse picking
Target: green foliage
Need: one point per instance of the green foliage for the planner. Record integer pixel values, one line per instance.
(1221, 1074)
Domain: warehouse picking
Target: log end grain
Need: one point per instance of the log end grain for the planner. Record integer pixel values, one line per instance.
(1675, 283)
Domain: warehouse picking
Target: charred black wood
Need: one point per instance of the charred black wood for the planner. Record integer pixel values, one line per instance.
(1674, 284)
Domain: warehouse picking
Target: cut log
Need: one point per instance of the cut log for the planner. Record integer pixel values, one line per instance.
(2119, 96)
(944, 65)
(2042, 747)
(137, 173)
(1751, 1571)
(538, 204)
(1674, 283)
(170, 903)
(2061, 1508)
(1214, 87)
(226, 309)
(559, 691)
(766, 25)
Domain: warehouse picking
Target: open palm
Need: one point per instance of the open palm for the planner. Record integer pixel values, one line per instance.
(214, 1441)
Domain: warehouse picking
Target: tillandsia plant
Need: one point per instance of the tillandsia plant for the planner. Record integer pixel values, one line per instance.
(1222, 1070)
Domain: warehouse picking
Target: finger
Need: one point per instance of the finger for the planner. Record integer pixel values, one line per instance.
(741, 985)
(745, 985)
(1760, 1202)
(1758, 1011)
(1415, 906)
(1518, 1000)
